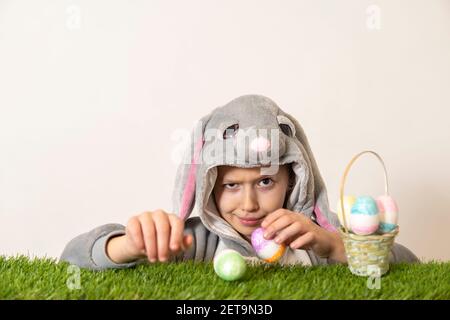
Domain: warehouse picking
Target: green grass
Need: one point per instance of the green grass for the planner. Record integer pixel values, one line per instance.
(24, 278)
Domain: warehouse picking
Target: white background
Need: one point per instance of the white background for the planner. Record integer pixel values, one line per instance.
(92, 91)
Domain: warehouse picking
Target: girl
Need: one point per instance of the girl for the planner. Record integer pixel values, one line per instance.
(248, 165)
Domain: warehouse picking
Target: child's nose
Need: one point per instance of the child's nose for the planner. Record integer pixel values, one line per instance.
(260, 144)
(250, 201)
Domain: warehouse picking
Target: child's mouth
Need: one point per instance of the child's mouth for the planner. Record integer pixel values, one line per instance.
(250, 222)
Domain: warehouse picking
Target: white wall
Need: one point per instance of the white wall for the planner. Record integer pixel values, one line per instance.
(91, 91)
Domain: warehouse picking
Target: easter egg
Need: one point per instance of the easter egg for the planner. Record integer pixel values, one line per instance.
(229, 265)
(267, 250)
(388, 213)
(364, 217)
(348, 203)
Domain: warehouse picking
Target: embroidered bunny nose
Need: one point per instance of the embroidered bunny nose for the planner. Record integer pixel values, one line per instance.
(260, 144)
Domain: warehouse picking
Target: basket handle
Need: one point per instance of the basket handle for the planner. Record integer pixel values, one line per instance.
(344, 177)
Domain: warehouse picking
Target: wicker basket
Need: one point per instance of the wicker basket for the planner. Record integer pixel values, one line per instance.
(366, 255)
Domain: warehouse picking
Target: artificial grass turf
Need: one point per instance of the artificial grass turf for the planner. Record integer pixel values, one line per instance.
(24, 278)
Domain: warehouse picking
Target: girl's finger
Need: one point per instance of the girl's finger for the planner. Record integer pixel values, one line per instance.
(162, 227)
(303, 242)
(176, 233)
(292, 231)
(272, 217)
(187, 241)
(134, 231)
(277, 225)
(149, 233)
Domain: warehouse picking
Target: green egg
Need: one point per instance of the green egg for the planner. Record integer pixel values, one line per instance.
(230, 265)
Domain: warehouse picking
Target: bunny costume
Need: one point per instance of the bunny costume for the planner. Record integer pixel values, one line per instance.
(249, 131)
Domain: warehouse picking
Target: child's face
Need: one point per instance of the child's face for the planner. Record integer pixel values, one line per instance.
(244, 197)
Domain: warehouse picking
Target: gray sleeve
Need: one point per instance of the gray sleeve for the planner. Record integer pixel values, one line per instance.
(88, 250)
(400, 253)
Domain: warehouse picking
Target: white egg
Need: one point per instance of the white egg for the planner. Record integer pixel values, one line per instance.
(364, 224)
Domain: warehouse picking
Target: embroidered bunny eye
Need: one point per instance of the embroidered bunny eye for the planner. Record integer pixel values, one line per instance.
(231, 131)
(286, 129)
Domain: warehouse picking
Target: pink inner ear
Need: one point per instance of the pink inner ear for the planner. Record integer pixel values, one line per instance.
(323, 222)
(189, 189)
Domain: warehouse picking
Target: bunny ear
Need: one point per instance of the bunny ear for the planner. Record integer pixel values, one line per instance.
(185, 179)
(324, 216)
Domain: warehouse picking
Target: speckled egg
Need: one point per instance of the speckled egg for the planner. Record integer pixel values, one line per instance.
(230, 265)
(348, 203)
(267, 250)
(388, 213)
(364, 216)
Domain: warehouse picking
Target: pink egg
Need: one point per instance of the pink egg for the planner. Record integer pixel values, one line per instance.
(267, 250)
(388, 213)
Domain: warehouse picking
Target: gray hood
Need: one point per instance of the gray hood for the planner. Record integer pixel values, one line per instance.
(248, 131)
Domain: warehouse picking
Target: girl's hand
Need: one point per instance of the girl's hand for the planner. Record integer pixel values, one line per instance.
(154, 235)
(299, 232)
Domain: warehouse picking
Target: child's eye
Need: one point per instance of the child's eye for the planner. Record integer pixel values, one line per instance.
(267, 182)
(230, 186)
